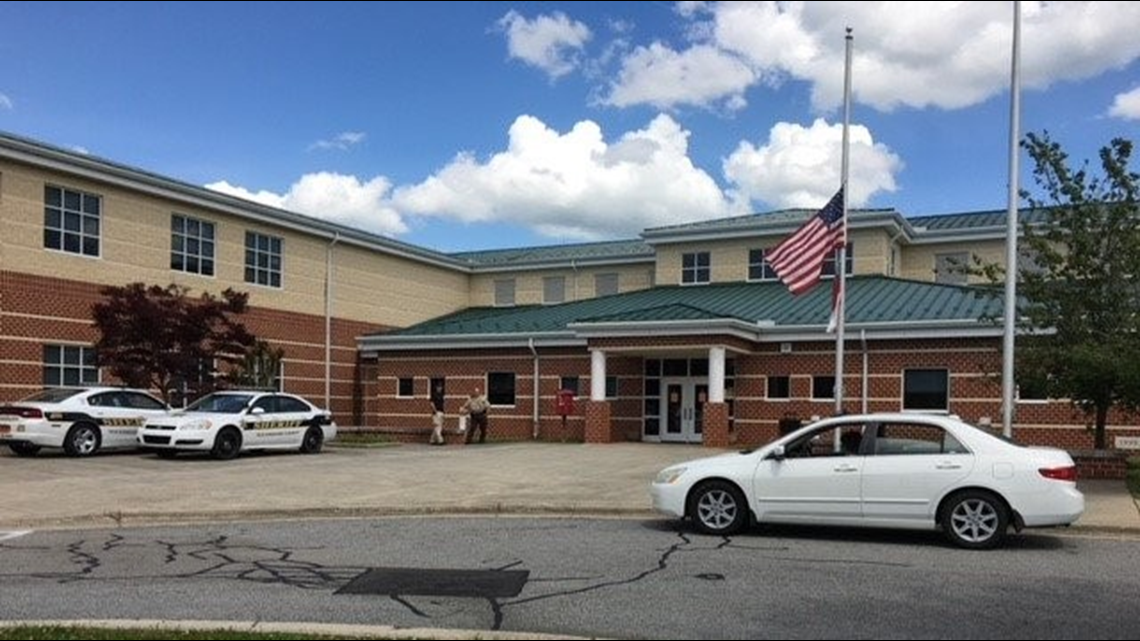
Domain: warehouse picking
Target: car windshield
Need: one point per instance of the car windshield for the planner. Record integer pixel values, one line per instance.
(52, 395)
(220, 403)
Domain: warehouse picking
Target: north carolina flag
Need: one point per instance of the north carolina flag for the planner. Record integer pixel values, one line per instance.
(798, 260)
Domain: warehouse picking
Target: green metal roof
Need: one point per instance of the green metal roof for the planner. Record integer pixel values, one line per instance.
(975, 220)
(768, 220)
(580, 252)
(870, 299)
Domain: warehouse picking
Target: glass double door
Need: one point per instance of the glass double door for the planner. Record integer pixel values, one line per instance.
(682, 409)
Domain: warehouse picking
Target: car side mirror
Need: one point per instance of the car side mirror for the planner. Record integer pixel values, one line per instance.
(257, 411)
(777, 453)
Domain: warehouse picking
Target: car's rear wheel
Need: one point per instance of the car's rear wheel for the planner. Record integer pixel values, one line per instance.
(24, 449)
(718, 507)
(313, 441)
(227, 444)
(975, 519)
(81, 440)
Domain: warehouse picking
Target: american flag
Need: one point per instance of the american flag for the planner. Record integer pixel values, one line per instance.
(798, 260)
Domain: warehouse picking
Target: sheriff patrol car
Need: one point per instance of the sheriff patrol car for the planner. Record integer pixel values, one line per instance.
(80, 420)
(226, 423)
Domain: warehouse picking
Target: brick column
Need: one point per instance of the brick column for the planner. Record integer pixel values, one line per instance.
(715, 427)
(598, 427)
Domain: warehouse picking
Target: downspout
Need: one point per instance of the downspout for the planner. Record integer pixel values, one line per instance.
(866, 365)
(328, 319)
(534, 352)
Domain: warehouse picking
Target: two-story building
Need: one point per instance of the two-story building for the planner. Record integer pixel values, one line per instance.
(682, 334)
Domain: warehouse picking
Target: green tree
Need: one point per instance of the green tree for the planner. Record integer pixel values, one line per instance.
(1079, 314)
(159, 337)
(260, 368)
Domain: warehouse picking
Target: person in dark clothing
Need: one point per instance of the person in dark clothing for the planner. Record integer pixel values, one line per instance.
(437, 415)
(476, 407)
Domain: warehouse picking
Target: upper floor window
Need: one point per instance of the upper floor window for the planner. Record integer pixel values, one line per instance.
(69, 366)
(553, 289)
(191, 245)
(758, 267)
(849, 264)
(72, 220)
(926, 389)
(505, 292)
(695, 268)
(262, 259)
(501, 388)
(950, 268)
(605, 284)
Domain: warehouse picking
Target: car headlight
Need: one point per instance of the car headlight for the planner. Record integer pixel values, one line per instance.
(196, 426)
(669, 475)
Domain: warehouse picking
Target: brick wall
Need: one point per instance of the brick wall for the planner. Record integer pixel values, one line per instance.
(39, 310)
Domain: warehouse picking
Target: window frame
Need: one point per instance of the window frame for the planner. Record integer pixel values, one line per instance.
(605, 278)
(83, 214)
(84, 364)
(202, 241)
(411, 383)
(906, 392)
(553, 285)
(696, 268)
(758, 262)
(787, 383)
(946, 273)
(827, 269)
(252, 267)
(496, 392)
(500, 293)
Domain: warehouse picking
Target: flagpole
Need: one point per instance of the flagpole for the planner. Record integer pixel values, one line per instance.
(841, 261)
(1009, 315)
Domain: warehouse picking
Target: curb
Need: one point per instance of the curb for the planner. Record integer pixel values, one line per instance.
(337, 630)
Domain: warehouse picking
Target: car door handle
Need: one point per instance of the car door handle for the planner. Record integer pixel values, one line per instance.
(846, 468)
(948, 466)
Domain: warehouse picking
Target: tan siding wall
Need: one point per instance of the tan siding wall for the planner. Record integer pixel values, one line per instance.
(370, 286)
(918, 260)
(579, 285)
(730, 257)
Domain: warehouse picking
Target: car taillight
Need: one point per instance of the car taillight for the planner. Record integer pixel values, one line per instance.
(1067, 473)
(22, 412)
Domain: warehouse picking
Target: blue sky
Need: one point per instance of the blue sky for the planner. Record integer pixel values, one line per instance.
(477, 125)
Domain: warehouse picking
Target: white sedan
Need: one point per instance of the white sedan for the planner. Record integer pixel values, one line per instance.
(899, 470)
(226, 423)
(81, 420)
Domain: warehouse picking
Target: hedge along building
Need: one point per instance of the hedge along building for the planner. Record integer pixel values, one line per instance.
(681, 334)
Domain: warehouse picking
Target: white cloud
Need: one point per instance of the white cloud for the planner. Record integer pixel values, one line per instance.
(341, 141)
(662, 77)
(335, 197)
(551, 42)
(6, 102)
(80, 149)
(915, 54)
(574, 184)
(1126, 105)
(800, 166)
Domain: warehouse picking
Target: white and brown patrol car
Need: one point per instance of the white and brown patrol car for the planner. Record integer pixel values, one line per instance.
(81, 420)
(226, 423)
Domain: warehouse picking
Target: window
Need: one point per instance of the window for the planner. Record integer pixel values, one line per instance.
(262, 259)
(779, 387)
(191, 245)
(290, 404)
(915, 438)
(950, 268)
(570, 383)
(501, 388)
(69, 366)
(553, 289)
(605, 284)
(849, 264)
(611, 387)
(1032, 389)
(406, 387)
(695, 268)
(505, 292)
(926, 389)
(758, 267)
(822, 387)
(837, 440)
(71, 221)
(141, 401)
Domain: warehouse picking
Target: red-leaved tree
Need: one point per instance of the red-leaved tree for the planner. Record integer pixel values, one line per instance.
(162, 338)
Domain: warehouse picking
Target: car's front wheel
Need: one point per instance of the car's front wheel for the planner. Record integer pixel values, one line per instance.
(975, 519)
(227, 444)
(718, 507)
(81, 440)
(21, 448)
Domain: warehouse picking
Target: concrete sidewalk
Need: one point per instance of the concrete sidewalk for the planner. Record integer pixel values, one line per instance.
(516, 478)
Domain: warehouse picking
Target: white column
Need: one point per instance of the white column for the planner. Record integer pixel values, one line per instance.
(716, 374)
(597, 375)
